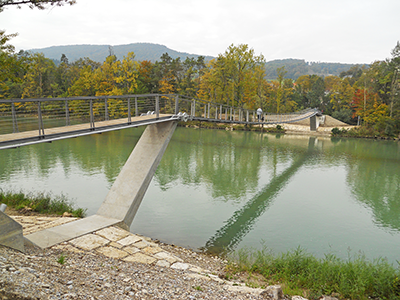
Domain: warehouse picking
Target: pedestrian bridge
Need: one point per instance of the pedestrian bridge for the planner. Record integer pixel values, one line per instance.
(25, 122)
(30, 121)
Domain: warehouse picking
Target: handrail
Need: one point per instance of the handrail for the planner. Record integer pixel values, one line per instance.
(45, 114)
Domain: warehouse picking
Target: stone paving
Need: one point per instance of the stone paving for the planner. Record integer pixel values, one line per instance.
(114, 242)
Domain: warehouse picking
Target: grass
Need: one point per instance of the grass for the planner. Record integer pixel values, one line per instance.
(61, 259)
(362, 132)
(301, 273)
(40, 203)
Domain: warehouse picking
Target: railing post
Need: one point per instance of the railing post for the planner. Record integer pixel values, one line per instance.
(205, 110)
(220, 112)
(247, 116)
(14, 118)
(176, 104)
(208, 113)
(136, 108)
(157, 106)
(231, 114)
(194, 108)
(66, 113)
(216, 112)
(41, 127)
(106, 116)
(91, 115)
(226, 114)
(129, 111)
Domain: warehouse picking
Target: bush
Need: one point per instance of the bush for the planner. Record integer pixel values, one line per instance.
(41, 203)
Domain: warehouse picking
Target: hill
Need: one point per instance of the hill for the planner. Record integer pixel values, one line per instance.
(297, 67)
(143, 51)
(153, 52)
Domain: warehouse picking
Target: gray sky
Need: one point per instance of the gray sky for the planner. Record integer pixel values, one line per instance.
(346, 31)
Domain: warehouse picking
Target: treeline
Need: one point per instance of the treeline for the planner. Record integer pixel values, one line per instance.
(298, 67)
(366, 94)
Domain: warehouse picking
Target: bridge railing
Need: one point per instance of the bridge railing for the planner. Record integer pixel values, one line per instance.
(19, 115)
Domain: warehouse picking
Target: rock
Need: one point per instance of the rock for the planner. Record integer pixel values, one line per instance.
(273, 292)
(66, 215)
(180, 266)
(298, 298)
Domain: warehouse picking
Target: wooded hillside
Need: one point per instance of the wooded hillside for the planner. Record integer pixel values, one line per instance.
(153, 52)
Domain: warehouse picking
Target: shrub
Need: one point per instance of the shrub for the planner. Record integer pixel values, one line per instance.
(40, 203)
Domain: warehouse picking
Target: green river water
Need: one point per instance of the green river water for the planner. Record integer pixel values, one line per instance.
(218, 191)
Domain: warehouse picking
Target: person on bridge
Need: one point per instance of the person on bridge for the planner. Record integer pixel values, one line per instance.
(259, 114)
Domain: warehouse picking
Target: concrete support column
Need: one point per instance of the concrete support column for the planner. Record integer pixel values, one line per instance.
(313, 123)
(126, 194)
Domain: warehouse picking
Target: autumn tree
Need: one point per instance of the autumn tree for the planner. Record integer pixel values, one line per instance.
(12, 68)
(145, 81)
(39, 77)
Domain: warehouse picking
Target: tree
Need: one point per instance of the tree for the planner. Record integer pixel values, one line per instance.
(39, 77)
(231, 77)
(11, 65)
(40, 4)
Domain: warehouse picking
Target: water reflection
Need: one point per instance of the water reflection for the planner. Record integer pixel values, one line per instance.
(240, 176)
(241, 222)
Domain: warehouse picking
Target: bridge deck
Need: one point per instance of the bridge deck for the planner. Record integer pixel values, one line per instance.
(12, 140)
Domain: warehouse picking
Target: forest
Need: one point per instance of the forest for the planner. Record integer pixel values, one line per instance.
(366, 95)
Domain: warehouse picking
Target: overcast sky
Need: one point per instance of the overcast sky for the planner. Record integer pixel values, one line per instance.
(346, 31)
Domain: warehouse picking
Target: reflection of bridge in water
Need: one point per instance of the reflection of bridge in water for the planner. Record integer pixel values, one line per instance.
(25, 122)
(243, 219)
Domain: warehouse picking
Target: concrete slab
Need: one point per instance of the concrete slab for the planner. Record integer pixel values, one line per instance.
(11, 233)
(55, 235)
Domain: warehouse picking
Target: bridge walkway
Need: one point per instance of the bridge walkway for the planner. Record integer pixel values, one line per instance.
(25, 138)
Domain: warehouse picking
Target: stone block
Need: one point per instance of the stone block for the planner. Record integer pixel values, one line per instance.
(131, 249)
(129, 240)
(168, 257)
(11, 233)
(113, 233)
(112, 252)
(89, 242)
(140, 258)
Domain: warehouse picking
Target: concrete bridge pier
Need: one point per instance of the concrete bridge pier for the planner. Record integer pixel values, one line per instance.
(313, 123)
(126, 194)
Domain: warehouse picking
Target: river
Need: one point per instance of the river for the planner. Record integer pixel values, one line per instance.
(219, 191)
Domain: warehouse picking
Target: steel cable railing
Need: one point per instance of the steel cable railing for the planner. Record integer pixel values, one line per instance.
(21, 115)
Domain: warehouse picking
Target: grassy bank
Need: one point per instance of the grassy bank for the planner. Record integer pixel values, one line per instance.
(300, 273)
(363, 132)
(229, 126)
(40, 203)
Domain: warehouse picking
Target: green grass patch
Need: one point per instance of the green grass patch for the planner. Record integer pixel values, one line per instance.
(40, 203)
(301, 273)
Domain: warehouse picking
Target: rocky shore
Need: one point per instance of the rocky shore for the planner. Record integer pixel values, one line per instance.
(113, 264)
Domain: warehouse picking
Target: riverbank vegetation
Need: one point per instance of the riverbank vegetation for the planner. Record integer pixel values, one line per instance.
(364, 94)
(300, 273)
(228, 126)
(40, 203)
